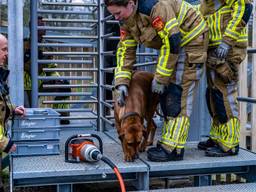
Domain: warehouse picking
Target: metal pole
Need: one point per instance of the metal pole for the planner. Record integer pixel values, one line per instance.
(15, 44)
(34, 52)
(101, 64)
(247, 99)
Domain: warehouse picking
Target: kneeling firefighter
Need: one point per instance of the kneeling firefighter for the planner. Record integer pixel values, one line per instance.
(227, 49)
(180, 34)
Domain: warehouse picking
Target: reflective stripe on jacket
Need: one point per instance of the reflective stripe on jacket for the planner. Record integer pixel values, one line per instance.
(224, 18)
(177, 16)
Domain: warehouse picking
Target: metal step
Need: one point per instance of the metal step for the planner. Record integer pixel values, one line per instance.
(244, 187)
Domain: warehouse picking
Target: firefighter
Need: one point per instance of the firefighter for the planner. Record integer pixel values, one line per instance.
(227, 49)
(179, 32)
(7, 109)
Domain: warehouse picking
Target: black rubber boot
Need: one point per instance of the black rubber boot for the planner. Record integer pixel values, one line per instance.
(218, 152)
(204, 145)
(160, 154)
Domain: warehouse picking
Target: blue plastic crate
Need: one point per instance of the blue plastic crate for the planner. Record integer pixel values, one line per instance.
(37, 148)
(35, 134)
(37, 117)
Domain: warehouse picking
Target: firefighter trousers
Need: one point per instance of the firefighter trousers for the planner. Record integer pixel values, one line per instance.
(182, 92)
(222, 80)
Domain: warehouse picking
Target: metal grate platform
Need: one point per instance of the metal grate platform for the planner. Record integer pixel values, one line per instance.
(246, 187)
(46, 170)
(194, 159)
(196, 164)
(36, 170)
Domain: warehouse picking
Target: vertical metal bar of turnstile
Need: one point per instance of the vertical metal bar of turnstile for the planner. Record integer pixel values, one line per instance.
(34, 53)
(100, 64)
(11, 173)
(15, 45)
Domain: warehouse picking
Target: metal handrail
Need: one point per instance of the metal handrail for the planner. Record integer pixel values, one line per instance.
(74, 110)
(65, 45)
(70, 86)
(107, 87)
(70, 20)
(246, 99)
(64, 94)
(63, 12)
(107, 104)
(65, 28)
(69, 37)
(71, 53)
(47, 61)
(69, 4)
(63, 78)
(69, 69)
(251, 50)
(69, 101)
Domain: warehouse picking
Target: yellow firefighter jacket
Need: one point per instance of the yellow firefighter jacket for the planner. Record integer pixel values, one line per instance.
(151, 24)
(6, 110)
(225, 20)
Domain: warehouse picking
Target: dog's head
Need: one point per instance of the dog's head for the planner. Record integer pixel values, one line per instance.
(131, 136)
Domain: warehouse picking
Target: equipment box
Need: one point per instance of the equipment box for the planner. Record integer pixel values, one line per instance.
(37, 148)
(35, 134)
(37, 117)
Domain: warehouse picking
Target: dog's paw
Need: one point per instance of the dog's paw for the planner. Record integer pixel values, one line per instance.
(129, 158)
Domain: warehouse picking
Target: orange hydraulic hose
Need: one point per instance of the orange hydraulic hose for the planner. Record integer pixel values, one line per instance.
(119, 176)
(120, 179)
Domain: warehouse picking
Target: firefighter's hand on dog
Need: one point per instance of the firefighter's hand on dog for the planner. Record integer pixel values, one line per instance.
(157, 87)
(122, 91)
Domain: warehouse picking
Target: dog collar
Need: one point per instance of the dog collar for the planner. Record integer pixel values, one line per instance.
(128, 114)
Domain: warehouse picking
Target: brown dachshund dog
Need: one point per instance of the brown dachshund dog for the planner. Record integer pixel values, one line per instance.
(140, 105)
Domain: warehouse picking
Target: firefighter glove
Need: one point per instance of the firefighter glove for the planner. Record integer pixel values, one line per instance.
(222, 50)
(122, 91)
(157, 87)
